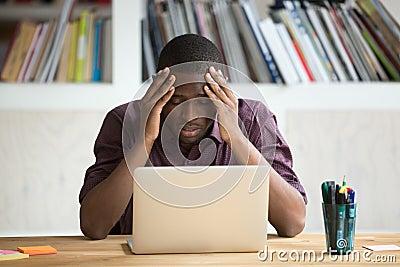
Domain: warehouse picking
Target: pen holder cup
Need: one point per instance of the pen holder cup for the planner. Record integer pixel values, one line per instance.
(339, 222)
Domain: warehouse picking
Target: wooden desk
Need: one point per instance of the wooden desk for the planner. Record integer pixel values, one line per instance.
(114, 251)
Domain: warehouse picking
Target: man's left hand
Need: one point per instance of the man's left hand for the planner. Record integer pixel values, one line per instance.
(226, 103)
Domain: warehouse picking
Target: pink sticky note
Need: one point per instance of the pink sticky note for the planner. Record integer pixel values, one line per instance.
(6, 252)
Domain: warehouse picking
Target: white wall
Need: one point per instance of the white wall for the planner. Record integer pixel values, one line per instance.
(364, 146)
(43, 158)
(44, 155)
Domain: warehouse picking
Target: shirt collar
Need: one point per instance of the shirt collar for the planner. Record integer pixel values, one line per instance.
(215, 132)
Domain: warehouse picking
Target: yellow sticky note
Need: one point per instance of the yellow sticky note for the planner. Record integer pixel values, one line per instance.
(12, 255)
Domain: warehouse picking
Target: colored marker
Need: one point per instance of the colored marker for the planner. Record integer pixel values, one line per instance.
(351, 219)
(341, 212)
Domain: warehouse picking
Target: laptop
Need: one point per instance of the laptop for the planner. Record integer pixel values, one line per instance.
(200, 209)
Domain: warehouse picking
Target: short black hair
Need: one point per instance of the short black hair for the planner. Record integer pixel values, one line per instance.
(188, 48)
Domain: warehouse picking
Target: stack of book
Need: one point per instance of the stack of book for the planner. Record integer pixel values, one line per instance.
(298, 42)
(62, 49)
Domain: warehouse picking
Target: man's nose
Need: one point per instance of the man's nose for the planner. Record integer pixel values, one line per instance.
(189, 111)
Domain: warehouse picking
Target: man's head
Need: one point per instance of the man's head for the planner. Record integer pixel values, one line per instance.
(191, 119)
(188, 48)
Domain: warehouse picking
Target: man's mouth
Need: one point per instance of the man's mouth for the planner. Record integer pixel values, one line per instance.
(189, 131)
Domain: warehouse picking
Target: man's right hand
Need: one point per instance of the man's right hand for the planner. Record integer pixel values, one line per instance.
(152, 103)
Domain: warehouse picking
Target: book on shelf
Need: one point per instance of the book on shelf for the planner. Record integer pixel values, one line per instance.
(88, 64)
(164, 21)
(97, 50)
(148, 56)
(367, 33)
(322, 40)
(303, 39)
(37, 52)
(364, 68)
(257, 66)
(45, 51)
(229, 36)
(17, 51)
(371, 11)
(81, 52)
(252, 19)
(154, 31)
(370, 57)
(62, 70)
(73, 49)
(278, 51)
(293, 54)
(189, 15)
(49, 50)
(107, 68)
(323, 37)
(392, 19)
(214, 26)
(176, 22)
(51, 65)
(343, 32)
(281, 17)
(29, 53)
(381, 41)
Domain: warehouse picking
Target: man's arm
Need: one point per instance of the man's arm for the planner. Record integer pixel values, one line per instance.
(103, 205)
(286, 206)
(287, 210)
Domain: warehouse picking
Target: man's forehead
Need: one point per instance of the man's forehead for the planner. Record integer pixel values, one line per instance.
(183, 78)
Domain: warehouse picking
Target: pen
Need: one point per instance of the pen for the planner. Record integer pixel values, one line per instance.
(351, 218)
(352, 195)
(325, 191)
(337, 192)
(332, 194)
(331, 214)
(341, 210)
(344, 186)
(328, 196)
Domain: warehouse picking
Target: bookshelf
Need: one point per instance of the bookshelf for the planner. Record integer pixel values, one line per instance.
(82, 96)
(127, 76)
(350, 95)
(11, 11)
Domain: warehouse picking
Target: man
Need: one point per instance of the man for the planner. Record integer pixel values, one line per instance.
(230, 124)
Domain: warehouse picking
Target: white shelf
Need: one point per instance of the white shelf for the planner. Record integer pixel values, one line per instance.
(100, 96)
(350, 96)
(61, 96)
(345, 96)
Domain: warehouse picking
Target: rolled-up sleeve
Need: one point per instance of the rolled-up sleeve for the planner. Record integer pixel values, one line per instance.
(263, 132)
(283, 164)
(108, 152)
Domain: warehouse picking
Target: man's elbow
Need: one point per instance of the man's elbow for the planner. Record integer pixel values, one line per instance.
(90, 228)
(93, 232)
(294, 228)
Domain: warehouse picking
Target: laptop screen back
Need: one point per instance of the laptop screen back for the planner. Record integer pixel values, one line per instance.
(200, 209)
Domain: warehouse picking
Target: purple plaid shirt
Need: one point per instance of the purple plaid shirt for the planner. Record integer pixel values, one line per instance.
(258, 123)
